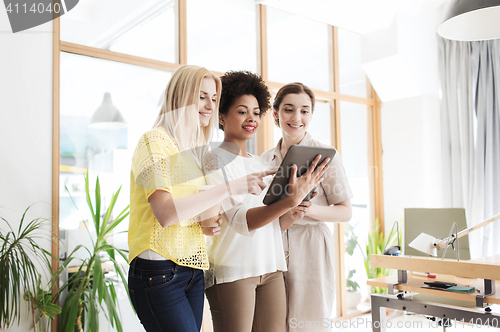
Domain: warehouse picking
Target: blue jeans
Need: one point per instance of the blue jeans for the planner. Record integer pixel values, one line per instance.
(167, 297)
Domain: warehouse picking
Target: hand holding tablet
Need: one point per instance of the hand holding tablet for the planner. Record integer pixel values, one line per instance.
(299, 173)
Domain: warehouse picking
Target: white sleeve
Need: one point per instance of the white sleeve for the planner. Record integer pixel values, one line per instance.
(236, 217)
(235, 210)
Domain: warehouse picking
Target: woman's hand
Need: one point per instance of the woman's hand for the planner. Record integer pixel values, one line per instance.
(250, 184)
(299, 187)
(295, 213)
(211, 231)
(300, 211)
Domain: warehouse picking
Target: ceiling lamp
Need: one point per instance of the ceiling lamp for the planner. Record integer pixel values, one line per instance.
(107, 116)
(470, 20)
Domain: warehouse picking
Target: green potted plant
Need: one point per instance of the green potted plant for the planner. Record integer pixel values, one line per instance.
(41, 305)
(89, 290)
(19, 275)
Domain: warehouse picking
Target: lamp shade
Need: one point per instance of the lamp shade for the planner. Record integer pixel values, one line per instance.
(470, 20)
(107, 116)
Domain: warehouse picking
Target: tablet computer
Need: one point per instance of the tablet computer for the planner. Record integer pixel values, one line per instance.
(302, 156)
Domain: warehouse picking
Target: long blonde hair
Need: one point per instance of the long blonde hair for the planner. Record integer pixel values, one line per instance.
(179, 111)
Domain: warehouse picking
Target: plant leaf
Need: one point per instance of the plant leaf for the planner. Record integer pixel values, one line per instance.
(98, 278)
(87, 192)
(97, 217)
(114, 197)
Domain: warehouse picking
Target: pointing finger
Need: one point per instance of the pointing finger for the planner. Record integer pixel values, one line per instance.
(263, 174)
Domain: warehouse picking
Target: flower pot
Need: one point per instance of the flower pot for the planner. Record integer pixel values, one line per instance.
(352, 299)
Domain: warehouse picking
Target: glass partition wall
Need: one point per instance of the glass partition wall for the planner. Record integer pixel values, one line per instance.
(121, 54)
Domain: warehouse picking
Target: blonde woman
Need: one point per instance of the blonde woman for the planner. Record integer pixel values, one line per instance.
(309, 280)
(167, 248)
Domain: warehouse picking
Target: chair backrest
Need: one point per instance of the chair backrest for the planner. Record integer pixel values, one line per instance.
(435, 222)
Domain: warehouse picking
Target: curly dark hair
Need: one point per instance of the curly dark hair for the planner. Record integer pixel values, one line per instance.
(239, 83)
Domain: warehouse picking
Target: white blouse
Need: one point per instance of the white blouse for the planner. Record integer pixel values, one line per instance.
(238, 253)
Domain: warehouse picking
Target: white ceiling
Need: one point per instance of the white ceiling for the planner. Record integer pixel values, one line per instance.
(360, 16)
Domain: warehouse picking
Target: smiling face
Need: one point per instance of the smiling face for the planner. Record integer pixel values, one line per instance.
(208, 98)
(242, 119)
(294, 114)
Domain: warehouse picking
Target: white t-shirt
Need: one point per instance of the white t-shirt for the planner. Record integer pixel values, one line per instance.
(237, 253)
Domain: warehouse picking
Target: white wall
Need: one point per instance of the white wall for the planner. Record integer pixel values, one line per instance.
(25, 126)
(411, 156)
(411, 130)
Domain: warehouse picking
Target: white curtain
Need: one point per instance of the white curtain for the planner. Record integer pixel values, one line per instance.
(470, 84)
(485, 67)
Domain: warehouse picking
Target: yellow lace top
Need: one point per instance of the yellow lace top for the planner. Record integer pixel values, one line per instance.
(157, 164)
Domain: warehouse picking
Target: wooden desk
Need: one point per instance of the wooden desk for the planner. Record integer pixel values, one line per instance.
(484, 268)
(483, 271)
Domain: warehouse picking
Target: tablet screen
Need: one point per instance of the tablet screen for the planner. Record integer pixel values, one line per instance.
(302, 156)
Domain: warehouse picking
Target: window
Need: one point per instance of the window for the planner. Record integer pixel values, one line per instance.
(355, 126)
(85, 82)
(297, 50)
(222, 34)
(353, 80)
(141, 28)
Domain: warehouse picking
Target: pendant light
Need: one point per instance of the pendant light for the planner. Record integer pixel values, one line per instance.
(107, 116)
(471, 20)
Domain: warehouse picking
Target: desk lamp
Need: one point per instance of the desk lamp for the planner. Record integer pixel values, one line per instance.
(428, 244)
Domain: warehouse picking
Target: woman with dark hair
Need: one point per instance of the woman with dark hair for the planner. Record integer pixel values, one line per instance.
(309, 280)
(245, 283)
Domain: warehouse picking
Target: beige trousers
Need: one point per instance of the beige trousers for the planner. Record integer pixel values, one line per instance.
(255, 304)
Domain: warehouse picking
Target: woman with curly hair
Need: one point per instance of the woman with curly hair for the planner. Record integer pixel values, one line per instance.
(310, 278)
(245, 286)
